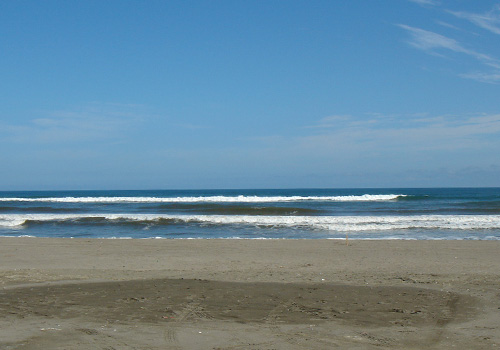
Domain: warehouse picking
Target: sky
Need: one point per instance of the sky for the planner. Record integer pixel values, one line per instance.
(249, 94)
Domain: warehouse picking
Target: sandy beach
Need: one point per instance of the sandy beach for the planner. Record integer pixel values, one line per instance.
(248, 294)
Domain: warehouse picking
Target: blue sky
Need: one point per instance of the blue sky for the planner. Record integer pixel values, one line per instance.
(249, 94)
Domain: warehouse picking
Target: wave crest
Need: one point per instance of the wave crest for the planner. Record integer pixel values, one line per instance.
(325, 223)
(214, 199)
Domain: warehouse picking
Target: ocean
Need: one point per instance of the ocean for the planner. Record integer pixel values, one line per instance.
(396, 213)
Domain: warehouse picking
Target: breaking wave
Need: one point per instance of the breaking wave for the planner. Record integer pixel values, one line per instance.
(324, 223)
(218, 199)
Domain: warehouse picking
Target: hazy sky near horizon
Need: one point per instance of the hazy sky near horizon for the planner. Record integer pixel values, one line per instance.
(249, 94)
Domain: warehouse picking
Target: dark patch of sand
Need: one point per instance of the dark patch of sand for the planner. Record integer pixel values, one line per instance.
(249, 295)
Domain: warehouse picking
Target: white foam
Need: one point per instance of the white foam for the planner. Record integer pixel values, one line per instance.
(212, 199)
(12, 221)
(325, 223)
(18, 236)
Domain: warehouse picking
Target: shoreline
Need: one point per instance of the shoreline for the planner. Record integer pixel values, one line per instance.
(339, 239)
(248, 294)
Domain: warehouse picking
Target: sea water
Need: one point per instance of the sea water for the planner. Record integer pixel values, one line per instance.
(425, 213)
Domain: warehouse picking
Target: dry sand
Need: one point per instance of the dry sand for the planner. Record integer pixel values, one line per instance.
(248, 294)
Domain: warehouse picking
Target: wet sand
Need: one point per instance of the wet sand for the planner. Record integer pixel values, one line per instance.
(248, 294)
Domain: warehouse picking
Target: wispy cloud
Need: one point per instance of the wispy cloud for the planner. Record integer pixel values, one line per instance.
(408, 133)
(332, 121)
(93, 122)
(447, 25)
(426, 2)
(438, 44)
(426, 40)
(435, 43)
(489, 20)
(493, 77)
(373, 144)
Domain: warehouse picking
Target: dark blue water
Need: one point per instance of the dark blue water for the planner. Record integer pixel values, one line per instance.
(437, 213)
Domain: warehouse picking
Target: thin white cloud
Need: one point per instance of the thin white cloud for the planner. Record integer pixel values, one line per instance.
(447, 25)
(332, 121)
(435, 43)
(438, 44)
(489, 20)
(425, 2)
(410, 133)
(483, 77)
(426, 40)
(93, 122)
